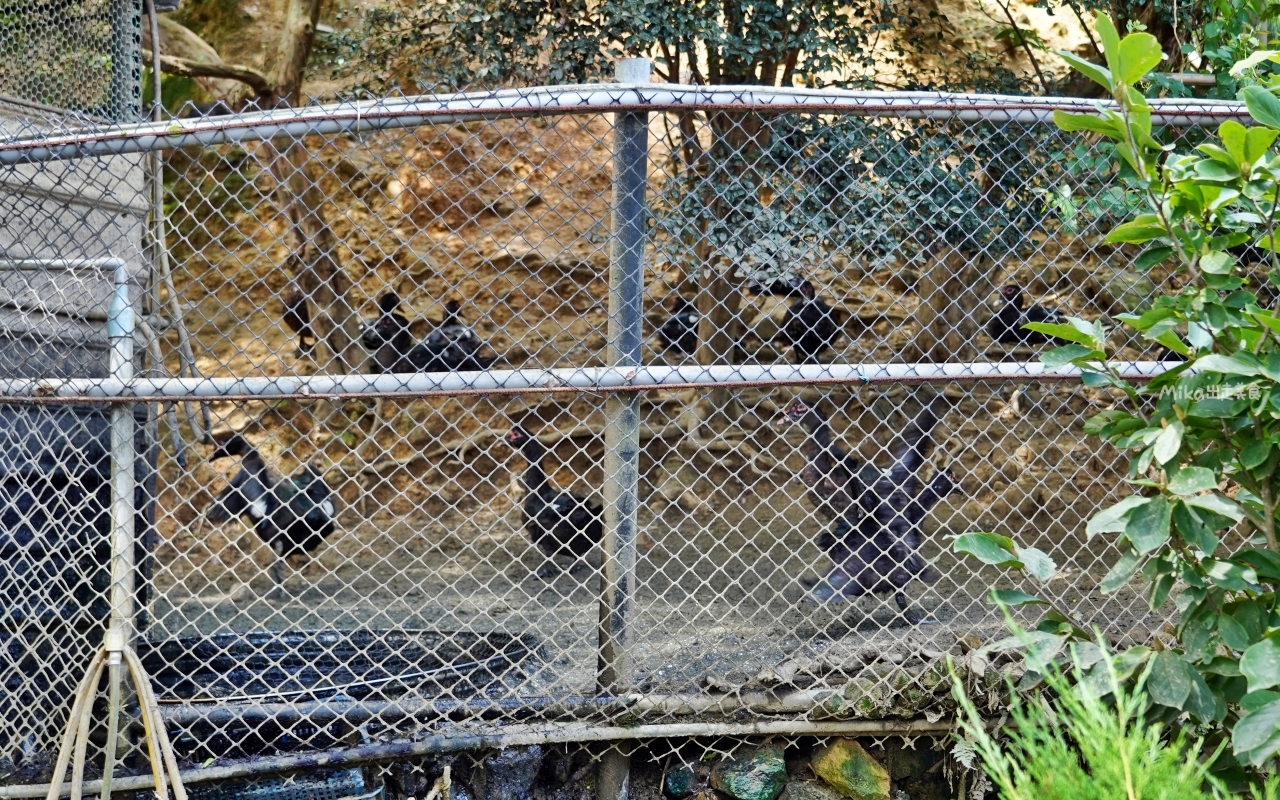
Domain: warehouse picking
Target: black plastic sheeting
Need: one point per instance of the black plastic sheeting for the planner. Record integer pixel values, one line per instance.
(55, 553)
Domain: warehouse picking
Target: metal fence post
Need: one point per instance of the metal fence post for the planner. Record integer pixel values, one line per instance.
(120, 632)
(622, 431)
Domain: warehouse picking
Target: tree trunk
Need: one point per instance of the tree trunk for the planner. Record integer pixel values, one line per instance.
(315, 258)
(297, 35)
(947, 301)
(316, 267)
(314, 261)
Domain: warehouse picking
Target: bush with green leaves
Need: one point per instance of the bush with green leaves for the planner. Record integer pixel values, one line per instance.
(1202, 438)
(1085, 740)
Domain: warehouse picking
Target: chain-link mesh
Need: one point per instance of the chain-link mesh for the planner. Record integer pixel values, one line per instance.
(408, 466)
(79, 56)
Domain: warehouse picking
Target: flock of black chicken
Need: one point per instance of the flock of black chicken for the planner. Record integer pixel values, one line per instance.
(874, 542)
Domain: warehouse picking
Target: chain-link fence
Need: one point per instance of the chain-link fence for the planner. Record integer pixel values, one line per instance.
(591, 413)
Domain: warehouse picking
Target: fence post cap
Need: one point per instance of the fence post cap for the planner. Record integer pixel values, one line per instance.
(632, 70)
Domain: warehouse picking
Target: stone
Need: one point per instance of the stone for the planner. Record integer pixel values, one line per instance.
(1123, 289)
(849, 769)
(809, 790)
(911, 762)
(509, 774)
(760, 776)
(679, 782)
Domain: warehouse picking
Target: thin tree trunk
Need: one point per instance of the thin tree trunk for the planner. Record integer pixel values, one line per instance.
(317, 269)
(297, 35)
(947, 301)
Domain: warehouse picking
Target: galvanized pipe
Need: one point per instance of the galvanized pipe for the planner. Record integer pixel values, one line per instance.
(622, 412)
(804, 702)
(121, 325)
(514, 736)
(381, 115)
(568, 379)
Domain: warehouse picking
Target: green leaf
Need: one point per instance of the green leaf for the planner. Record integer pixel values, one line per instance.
(1139, 54)
(1261, 663)
(1257, 736)
(1193, 528)
(1217, 263)
(1122, 571)
(1232, 633)
(1255, 453)
(1094, 425)
(1191, 480)
(1262, 104)
(1114, 518)
(989, 548)
(1257, 142)
(1061, 331)
(1169, 442)
(1256, 58)
(1225, 364)
(1230, 576)
(1110, 41)
(1013, 597)
(1135, 232)
(1217, 504)
(1201, 702)
(1037, 563)
(1042, 652)
(1059, 357)
(1264, 562)
(1233, 136)
(1216, 171)
(1092, 123)
(1152, 257)
(1170, 340)
(1266, 317)
(1148, 526)
(1097, 74)
(1253, 701)
(1168, 683)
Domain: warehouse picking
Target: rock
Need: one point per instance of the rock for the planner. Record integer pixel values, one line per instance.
(679, 782)
(912, 762)
(1123, 289)
(760, 776)
(809, 790)
(509, 774)
(851, 771)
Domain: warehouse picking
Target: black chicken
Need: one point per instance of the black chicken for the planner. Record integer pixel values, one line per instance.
(832, 475)
(880, 542)
(781, 286)
(1006, 326)
(453, 345)
(296, 316)
(388, 336)
(217, 108)
(291, 515)
(840, 542)
(680, 331)
(450, 346)
(558, 522)
(809, 327)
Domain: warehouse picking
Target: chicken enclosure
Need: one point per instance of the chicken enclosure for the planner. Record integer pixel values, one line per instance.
(592, 412)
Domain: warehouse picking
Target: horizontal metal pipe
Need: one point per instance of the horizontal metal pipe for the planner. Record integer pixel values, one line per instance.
(514, 736)
(568, 379)
(355, 712)
(377, 115)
